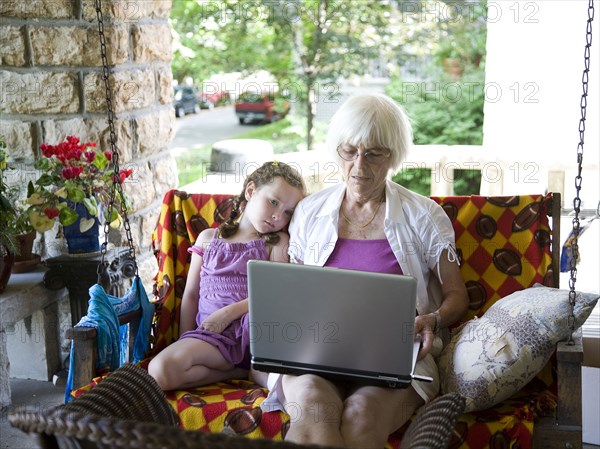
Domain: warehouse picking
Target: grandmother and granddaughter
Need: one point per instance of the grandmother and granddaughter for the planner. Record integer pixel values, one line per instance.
(365, 223)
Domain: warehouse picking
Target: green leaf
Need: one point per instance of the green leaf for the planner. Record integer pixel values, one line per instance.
(42, 164)
(45, 180)
(5, 204)
(76, 194)
(39, 221)
(67, 216)
(101, 161)
(113, 215)
(85, 224)
(91, 205)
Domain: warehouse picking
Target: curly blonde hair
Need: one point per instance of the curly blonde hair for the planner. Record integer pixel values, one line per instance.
(265, 174)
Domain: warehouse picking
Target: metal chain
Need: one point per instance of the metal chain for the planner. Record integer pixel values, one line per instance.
(117, 187)
(577, 199)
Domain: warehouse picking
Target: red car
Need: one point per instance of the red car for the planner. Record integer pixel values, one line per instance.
(209, 99)
(252, 107)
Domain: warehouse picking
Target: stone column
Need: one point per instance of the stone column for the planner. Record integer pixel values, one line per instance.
(51, 86)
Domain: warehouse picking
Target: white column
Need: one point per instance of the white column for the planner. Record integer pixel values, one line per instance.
(533, 87)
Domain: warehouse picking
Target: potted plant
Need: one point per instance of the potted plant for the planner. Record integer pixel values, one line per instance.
(8, 243)
(24, 234)
(76, 183)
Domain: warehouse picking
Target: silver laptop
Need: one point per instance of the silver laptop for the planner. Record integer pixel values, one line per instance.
(339, 324)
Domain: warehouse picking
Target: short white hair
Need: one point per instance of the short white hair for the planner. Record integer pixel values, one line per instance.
(373, 121)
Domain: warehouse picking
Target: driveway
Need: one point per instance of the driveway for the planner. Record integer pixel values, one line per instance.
(208, 127)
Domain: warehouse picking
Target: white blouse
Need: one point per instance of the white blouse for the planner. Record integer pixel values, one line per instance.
(416, 227)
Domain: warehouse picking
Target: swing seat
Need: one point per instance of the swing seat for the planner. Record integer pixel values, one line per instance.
(506, 245)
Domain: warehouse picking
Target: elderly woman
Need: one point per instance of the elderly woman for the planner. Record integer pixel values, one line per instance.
(370, 223)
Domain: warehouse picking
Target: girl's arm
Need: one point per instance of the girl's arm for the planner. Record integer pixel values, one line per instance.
(220, 319)
(191, 294)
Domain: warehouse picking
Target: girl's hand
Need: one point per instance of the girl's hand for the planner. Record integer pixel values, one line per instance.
(218, 320)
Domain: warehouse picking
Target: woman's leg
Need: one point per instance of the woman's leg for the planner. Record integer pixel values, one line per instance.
(191, 362)
(260, 377)
(315, 408)
(371, 414)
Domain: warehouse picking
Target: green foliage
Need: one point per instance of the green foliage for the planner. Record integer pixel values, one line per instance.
(467, 182)
(416, 179)
(13, 219)
(74, 172)
(463, 38)
(324, 41)
(192, 164)
(443, 111)
(225, 36)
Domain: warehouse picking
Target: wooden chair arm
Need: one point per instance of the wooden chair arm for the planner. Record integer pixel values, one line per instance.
(569, 360)
(84, 353)
(84, 340)
(565, 429)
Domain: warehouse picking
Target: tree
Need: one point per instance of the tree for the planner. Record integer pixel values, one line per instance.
(331, 40)
(301, 42)
(310, 44)
(225, 36)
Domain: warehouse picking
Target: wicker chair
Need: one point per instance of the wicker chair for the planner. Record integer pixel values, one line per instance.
(129, 410)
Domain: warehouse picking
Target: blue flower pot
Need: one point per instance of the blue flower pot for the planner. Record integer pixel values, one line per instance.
(82, 242)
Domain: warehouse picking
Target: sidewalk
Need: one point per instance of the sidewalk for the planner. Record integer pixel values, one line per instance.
(31, 393)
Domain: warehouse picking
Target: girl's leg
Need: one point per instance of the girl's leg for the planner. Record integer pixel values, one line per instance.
(371, 414)
(315, 408)
(191, 362)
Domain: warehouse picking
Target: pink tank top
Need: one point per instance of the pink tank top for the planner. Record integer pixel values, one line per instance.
(365, 255)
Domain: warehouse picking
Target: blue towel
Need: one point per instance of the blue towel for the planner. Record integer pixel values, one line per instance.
(566, 255)
(103, 314)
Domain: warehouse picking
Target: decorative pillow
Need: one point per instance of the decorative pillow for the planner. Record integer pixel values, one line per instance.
(490, 358)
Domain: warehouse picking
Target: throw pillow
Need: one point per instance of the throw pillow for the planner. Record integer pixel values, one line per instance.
(490, 358)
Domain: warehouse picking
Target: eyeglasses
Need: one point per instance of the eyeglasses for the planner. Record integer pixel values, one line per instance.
(375, 156)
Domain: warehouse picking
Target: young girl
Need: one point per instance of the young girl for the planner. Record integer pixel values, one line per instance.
(214, 330)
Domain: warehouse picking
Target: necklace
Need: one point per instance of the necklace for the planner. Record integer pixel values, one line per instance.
(368, 222)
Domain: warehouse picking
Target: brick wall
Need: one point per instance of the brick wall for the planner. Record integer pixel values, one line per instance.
(51, 86)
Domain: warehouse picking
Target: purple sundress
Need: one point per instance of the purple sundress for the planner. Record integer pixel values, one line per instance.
(224, 281)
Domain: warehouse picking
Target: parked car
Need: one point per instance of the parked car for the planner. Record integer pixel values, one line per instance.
(253, 107)
(185, 100)
(212, 99)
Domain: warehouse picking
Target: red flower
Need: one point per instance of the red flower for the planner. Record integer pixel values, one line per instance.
(124, 174)
(90, 156)
(46, 149)
(71, 167)
(71, 172)
(51, 212)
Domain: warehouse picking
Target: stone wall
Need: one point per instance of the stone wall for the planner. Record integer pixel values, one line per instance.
(51, 86)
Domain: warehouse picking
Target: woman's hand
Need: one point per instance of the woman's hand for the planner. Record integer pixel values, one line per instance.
(424, 328)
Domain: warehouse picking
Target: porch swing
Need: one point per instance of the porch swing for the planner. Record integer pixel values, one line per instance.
(127, 409)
